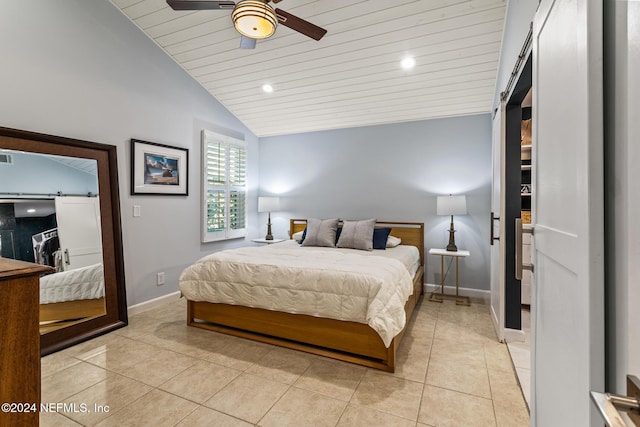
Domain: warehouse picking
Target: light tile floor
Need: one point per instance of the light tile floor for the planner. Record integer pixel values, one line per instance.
(521, 356)
(158, 372)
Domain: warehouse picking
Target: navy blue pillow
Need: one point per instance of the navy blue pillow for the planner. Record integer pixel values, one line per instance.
(304, 234)
(338, 232)
(380, 236)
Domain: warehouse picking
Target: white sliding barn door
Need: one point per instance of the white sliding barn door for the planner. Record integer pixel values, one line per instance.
(497, 267)
(568, 304)
(497, 294)
(633, 112)
(79, 231)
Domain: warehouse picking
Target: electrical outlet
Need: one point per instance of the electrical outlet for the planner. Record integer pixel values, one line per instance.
(136, 211)
(160, 279)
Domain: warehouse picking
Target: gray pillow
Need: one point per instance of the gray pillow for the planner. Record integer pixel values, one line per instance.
(357, 234)
(321, 232)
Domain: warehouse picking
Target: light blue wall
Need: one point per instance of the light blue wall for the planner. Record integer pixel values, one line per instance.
(34, 173)
(390, 172)
(81, 69)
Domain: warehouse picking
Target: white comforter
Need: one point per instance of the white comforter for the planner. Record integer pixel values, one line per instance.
(323, 283)
(79, 284)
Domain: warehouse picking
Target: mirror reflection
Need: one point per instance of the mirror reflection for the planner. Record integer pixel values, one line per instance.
(50, 215)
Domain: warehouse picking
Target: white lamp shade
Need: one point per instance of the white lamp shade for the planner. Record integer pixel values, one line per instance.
(452, 205)
(268, 204)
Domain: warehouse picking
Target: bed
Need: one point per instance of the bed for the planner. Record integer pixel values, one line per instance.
(71, 295)
(259, 305)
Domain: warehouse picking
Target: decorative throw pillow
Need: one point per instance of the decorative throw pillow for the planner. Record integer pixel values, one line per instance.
(321, 232)
(357, 234)
(380, 236)
(393, 241)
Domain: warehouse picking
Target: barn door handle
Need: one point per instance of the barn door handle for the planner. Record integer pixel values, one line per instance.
(611, 405)
(519, 266)
(492, 238)
(66, 257)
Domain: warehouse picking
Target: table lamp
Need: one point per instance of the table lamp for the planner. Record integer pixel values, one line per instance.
(268, 204)
(452, 205)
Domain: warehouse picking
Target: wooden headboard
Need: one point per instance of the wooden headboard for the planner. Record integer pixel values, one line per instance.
(411, 233)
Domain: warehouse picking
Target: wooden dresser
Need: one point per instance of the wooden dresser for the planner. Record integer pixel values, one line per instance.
(19, 341)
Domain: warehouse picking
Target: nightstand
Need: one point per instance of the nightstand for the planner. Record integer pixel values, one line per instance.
(268, 242)
(440, 296)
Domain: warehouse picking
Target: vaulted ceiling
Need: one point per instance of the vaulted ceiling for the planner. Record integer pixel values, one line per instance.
(352, 76)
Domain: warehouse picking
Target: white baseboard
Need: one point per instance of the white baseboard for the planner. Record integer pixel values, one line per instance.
(477, 294)
(151, 304)
(514, 335)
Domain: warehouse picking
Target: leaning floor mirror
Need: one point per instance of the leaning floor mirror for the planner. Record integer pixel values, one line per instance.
(60, 206)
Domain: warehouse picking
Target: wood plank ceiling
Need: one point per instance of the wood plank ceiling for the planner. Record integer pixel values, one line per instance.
(352, 77)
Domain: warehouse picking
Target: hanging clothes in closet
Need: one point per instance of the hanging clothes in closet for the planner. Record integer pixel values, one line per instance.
(45, 245)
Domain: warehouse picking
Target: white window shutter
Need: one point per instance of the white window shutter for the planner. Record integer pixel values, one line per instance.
(224, 212)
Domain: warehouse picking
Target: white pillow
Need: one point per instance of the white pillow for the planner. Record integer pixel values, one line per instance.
(297, 236)
(393, 241)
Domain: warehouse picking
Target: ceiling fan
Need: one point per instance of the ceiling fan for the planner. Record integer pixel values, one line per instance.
(253, 19)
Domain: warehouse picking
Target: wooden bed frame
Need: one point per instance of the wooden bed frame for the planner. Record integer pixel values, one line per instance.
(59, 315)
(72, 310)
(343, 340)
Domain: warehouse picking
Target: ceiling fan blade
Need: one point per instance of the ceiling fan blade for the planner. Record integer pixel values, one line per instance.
(200, 4)
(300, 25)
(247, 43)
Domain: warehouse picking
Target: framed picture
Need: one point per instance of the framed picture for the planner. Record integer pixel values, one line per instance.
(159, 169)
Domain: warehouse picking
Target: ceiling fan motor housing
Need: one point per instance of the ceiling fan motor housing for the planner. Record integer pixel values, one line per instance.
(254, 19)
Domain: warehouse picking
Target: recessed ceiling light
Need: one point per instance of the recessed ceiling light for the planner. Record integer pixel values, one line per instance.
(408, 63)
(267, 88)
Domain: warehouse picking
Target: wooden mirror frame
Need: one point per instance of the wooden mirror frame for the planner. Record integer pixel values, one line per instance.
(113, 260)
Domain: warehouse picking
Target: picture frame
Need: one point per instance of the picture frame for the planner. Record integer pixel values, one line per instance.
(159, 169)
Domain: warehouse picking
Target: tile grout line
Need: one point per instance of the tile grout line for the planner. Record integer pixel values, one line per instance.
(426, 372)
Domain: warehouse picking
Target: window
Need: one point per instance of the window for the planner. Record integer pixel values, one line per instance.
(224, 183)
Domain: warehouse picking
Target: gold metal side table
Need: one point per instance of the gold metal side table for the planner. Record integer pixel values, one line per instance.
(440, 296)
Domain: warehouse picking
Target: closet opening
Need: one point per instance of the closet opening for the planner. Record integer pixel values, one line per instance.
(518, 188)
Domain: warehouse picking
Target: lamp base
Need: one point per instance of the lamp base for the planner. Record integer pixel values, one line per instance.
(269, 236)
(451, 247)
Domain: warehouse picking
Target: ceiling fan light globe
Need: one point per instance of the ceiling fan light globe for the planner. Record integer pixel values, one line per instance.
(254, 19)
